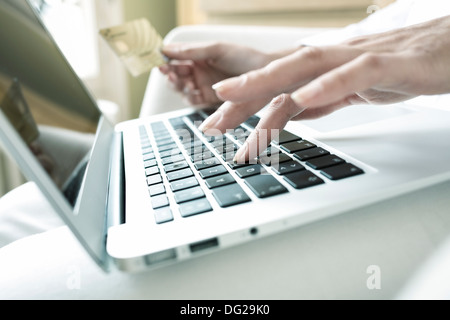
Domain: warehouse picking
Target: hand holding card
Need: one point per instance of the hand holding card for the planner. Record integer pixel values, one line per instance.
(137, 44)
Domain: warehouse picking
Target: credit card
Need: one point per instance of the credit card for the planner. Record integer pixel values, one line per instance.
(137, 44)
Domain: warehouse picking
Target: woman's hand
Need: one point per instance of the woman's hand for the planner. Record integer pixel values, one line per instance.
(315, 81)
(195, 68)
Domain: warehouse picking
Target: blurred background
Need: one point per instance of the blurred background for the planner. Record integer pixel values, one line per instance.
(75, 24)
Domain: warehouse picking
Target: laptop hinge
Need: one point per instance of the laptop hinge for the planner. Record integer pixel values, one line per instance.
(116, 187)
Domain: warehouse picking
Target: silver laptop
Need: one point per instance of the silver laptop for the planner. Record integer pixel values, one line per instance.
(151, 192)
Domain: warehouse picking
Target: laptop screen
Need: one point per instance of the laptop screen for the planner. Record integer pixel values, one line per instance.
(43, 99)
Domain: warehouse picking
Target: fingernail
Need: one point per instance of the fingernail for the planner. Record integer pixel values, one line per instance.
(230, 83)
(171, 49)
(164, 69)
(218, 85)
(306, 94)
(211, 121)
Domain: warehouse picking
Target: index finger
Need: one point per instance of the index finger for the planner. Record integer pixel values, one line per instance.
(286, 74)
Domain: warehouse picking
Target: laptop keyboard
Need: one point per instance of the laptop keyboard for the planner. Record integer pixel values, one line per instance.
(182, 156)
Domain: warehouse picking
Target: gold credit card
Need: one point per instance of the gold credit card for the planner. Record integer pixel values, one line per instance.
(137, 44)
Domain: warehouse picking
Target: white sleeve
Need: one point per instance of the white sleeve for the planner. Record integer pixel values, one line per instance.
(392, 17)
(25, 212)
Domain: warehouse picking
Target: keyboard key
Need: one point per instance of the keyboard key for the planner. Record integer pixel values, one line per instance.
(240, 134)
(155, 179)
(250, 171)
(168, 147)
(275, 159)
(304, 179)
(212, 172)
(253, 121)
(150, 163)
(220, 181)
(180, 174)
(186, 137)
(215, 140)
(271, 151)
(142, 130)
(297, 146)
(196, 118)
(146, 147)
(342, 171)
(197, 150)
(288, 167)
(227, 148)
(325, 162)
(163, 215)
(161, 135)
(220, 142)
(176, 166)
(165, 136)
(207, 164)
(190, 144)
(158, 126)
(189, 195)
(230, 195)
(286, 137)
(160, 201)
(265, 186)
(149, 156)
(202, 156)
(209, 112)
(184, 184)
(156, 190)
(172, 159)
(151, 171)
(164, 142)
(227, 157)
(177, 122)
(311, 154)
(182, 126)
(195, 207)
(233, 165)
(170, 153)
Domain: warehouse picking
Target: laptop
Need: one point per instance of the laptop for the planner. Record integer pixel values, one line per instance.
(151, 192)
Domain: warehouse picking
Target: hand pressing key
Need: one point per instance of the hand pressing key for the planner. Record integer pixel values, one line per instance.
(311, 82)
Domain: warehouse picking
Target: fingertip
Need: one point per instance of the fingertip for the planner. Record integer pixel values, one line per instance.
(173, 77)
(165, 69)
(211, 121)
(218, 89)
(229, 89)
(306, 95)
(241, 154)
(171, 50)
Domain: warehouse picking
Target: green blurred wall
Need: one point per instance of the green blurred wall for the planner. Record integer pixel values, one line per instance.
(162, 15)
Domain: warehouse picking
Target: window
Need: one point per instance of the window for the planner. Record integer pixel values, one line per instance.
(73, 25)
